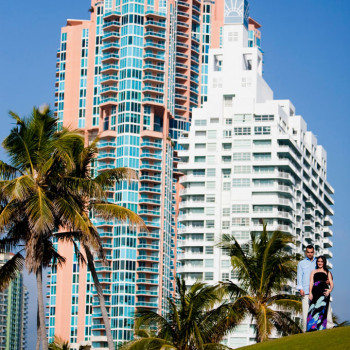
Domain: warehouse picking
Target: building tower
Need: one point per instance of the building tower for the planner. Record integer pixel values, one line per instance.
(13, 312)
(130, 75)
(247, 158)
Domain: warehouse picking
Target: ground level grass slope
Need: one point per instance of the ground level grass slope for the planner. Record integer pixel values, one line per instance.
(332, 339)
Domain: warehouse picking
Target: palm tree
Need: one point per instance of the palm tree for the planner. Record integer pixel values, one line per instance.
(29, 207)
(264, 268)
(87, 193)
(59, 344)
(338, 323)
(198, 319)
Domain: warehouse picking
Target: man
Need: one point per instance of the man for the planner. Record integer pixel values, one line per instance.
(305, 267)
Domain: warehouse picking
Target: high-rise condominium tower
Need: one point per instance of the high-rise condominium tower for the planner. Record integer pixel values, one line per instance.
(13, 312)
(130, 75)
(247, 158)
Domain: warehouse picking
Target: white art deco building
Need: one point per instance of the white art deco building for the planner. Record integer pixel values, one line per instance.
(248, 157)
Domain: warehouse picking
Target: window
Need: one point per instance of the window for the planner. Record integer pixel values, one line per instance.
(225, 263)
(242, 131)
(209, 263)
(262, 143)
(226, 146)
(198, 172)
(245, 156)
(225, 276)
(210, 211)
(211, 172)
(226, 186)
(200, 133)
(240, 221)
(209, 250)
(264, 169)
(210, 224)
(214, 120)
(242, 118)
(199, 159)
(242, 169)
(240, 182)
(226, 159)
(241, 235)
(233, 36)
(264, 182)
(211, 184)
(200, 122)
(210, 198)
(209, 276)
(262, 156)
(262, 130)
(227, 134)
(262, 208)
(241, 143)
(209, 237)
(200, 146)
(264, 118)
(211, 146)
(228, 101)
(211, 134)
(226, 173)
(240, 208)
(211, 159)
(228, 121)
(225, 225)
(226, 212)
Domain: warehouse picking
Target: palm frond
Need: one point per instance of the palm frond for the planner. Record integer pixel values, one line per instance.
(7, 172)
(10, 270)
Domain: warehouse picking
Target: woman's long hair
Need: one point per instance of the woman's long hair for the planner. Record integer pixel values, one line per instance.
(323, 258)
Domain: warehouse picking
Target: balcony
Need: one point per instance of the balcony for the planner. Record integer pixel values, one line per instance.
(152, 100)
(108, 101)
(156, 35)
(148, 247)
(153, 67)
(148, 155)
(145, 200)
(106, 156)
(150, 189)
(110, 47)
(146, 178)
(147, 293)
(148, 235)
(111, 25)
(112, 78)
(109, 69)
(147, 144)
(146, 304)
(109, 90)
(155, 24)
(153, 45)
(147, 281)
(153, 89)
(154, 57)
(150, 77)
(112, 15)
(102, 144)
(156, 168)
(183, 15)
(145, 257)
(111, 36)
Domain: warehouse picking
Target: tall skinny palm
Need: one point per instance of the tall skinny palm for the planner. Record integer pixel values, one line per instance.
(198, 319)
(87, 194)
(264, 268)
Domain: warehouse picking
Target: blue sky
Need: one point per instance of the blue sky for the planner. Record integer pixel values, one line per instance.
(306, 45)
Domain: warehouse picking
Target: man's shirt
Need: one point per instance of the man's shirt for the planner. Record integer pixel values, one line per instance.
(305, 267)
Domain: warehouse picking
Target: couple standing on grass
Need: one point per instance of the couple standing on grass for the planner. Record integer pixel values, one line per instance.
(315, 284)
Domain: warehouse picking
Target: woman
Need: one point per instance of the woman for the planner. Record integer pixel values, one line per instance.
(319, 296)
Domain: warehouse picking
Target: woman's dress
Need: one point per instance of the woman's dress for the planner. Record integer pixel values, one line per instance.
(317, 315)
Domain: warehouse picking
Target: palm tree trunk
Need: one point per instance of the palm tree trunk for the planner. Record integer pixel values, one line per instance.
(39, 284)
(37, 329)
(101, 298)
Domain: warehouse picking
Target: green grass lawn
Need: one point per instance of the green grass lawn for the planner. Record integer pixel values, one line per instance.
(332, 339)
